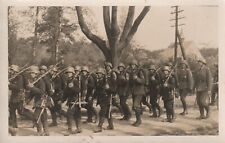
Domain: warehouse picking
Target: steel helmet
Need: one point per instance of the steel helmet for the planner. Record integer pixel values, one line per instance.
(77, 68)
(121, 65)
(152, 67)
(85, 68)
(133, 62)
(70, 70)
(34, 69)
(43, 67)
(15, 68)
(108, 64)
(166, 68)
(202, 60)
(100, 70)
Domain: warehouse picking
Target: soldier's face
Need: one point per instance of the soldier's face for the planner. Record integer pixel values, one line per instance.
(183, 66)
(11, 72)
(33, 75)
(133, 66)
(77, 72)
(42, 71)
(108, 68)
(99, 75)
(151, 70)
(121, 69)
(69, 74)
(84, 72)
(165, 72)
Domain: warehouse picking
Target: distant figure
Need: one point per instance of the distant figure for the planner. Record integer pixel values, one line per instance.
(215, 93)
(203, 88)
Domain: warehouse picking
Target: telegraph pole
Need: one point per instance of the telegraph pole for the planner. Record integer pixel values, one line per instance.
(177, 35)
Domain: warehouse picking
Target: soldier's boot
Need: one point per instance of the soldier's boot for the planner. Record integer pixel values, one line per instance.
(154, 115)
(13, 131)
(78, 125)
(207, 112)
(100, 124)
(110, 126)
(39, 130)
(201, 109)
(138, 119)
(28, 114)
(160, 110)
(45, 127)
(54, 121)
(184, 108)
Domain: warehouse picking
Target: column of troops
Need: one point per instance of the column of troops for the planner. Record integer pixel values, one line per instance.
(50, 87)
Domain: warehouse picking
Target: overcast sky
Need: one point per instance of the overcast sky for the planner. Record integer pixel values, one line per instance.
(155, 31)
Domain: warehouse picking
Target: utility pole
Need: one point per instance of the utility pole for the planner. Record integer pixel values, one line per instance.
(177, 35)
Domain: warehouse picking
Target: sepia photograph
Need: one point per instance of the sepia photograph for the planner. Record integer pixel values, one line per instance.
(113, 70)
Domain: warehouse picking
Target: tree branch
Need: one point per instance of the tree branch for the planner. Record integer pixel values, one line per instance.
(137, 22)
(106, 18)
(128, 23)
(114, 25)
(94, 38)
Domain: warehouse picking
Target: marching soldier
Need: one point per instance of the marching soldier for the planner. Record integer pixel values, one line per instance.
(123, 87)
(112, 80)
(154, 82)
(203, 85)
(16, 100)
(38, 91)
(87, 90)
(185, 83)
(71, 94)
(56, 83)
(137, 89)
(214, 96)
(104, 99)
(168, 84)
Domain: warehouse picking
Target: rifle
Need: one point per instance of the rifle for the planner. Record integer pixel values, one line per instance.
(110, 106)
(55, 75)
(170, 73)
(20, 72)
(43, 75)
(43, 103)
(78, 101)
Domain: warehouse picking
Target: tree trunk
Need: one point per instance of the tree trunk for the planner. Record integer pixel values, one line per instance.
(35, 35)
(116, 46)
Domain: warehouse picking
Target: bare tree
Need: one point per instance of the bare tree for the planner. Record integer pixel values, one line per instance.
(117, 41)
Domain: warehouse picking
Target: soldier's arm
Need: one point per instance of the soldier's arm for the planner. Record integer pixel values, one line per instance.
(172, 83)
(209, 79)
(141, 78)
(19, 84)
(190, 80)
(39, 89)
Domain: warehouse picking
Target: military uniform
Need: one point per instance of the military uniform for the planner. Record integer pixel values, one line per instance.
(185, 84)
(168, 84)
(104, 99)
(71, 94)
(137, 89)
(144, 100)
(215, 93)
(57, 87)
(111, 76)
(203, 85)
(38, 92)
(122, 89)
(153, 87)
(17, 98)
(87, 89)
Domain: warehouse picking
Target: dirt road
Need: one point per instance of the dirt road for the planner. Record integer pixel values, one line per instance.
(184, 125)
